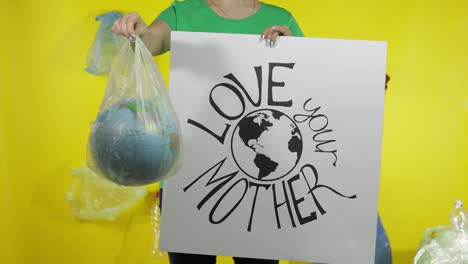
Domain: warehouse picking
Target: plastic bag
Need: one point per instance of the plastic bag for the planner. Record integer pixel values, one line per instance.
(92, 197)
(135, 139)
(140, 243)
(446, 244)
(156, 223)
(105, 46)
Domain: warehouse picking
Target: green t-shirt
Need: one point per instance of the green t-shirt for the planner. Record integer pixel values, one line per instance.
(197, 16)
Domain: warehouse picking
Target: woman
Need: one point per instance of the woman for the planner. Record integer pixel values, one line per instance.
(220, 16)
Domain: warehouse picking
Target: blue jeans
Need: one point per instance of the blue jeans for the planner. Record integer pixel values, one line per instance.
(183, 258)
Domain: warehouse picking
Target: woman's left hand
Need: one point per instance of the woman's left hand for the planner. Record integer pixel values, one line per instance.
(270, 34)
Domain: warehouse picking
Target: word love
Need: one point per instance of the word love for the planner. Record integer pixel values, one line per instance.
(238, 92)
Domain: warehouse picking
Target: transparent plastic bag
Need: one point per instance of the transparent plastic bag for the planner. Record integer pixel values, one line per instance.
(156, 223)
(105, 46)
(135, 139)
(446, 244)
(93, 197)
(140, 243)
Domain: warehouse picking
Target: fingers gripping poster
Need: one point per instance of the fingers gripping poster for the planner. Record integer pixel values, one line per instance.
(282, 147)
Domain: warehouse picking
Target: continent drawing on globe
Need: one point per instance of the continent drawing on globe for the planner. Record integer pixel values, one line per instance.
(274, 144)
(265, 164)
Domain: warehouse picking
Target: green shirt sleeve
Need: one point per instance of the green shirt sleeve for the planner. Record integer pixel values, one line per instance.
(169, 16)
(294, 27)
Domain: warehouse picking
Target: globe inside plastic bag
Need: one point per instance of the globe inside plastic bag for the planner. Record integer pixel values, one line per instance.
(135, 139)
(105, 46)
(446, 244)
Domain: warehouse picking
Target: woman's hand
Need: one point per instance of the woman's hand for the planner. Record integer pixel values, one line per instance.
(156, 36)
(270, 34)
(129, 25)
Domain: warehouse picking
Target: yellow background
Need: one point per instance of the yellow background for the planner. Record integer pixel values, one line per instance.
(47, 102)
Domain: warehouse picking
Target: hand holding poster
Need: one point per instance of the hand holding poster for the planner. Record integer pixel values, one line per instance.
(282, 148)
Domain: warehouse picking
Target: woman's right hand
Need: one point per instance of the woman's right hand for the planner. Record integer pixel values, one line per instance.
(129, 25)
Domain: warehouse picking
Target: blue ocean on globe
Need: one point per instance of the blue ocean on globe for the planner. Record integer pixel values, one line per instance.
(124, 149)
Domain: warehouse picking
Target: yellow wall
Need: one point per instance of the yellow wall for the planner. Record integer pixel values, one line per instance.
(47, 102)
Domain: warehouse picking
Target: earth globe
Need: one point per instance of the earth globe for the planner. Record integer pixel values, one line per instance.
(135, 143)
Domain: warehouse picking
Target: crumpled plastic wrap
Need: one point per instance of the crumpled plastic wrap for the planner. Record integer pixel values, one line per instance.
(93, 197)
(156, 223)
(446, 244)
(105, 45)
(141, 237)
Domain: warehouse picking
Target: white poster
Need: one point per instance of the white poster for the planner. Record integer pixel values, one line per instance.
(282, 148)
